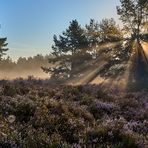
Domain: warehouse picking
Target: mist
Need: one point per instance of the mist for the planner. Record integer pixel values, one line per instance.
(24, 67)
(13, 74)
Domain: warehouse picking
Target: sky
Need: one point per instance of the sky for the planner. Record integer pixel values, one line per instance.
(29, 25)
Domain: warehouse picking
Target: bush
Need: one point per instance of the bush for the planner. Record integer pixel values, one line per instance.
(99, 109)
(32, 114)
(24, 111)
(10, 90)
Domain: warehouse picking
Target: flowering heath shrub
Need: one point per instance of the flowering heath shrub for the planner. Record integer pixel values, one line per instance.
(35, 113)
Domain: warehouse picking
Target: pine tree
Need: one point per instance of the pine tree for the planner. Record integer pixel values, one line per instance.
(133, 14)
(3, 48)
(69, 51)
(77, 46)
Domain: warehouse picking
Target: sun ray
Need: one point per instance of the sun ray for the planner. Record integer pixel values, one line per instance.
(137, 67)
(127, 74)
(88, 74)
(145, 47)
(89, 71)
(108, 45)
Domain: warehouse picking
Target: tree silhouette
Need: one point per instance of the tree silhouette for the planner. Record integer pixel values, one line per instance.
(3, 48)
(113, 52)
(77, 48)
(23, 67)
(129, 59)
(69, 50)
(133, 14)
(110, 31)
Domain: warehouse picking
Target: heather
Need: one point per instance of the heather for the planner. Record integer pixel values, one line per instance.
(36, 113)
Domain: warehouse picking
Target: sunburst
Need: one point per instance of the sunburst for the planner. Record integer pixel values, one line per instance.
(135, 68)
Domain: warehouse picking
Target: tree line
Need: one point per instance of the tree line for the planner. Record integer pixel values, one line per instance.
(30, 63)
(78, 45)
(23, 67)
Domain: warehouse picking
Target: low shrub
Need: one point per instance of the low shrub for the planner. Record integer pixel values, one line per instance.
(36, 114)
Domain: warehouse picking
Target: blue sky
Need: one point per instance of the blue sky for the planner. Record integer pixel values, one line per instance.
(30, 25)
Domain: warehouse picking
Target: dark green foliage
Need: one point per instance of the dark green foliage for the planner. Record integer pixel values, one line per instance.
(133, 14)
(117, 61)
(4, 144)
(77, 47)
(104, 137)
(24, 111)
(68, 50)
(109, 31)
(10, 90)
(3, 48)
